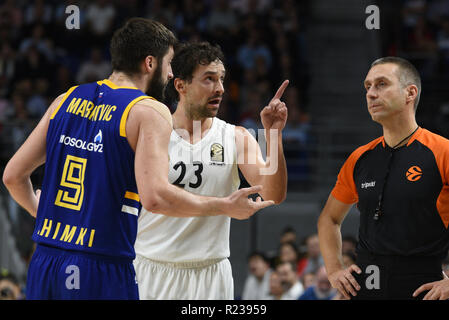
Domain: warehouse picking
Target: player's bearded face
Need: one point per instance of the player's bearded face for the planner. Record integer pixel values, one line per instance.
(157, 84)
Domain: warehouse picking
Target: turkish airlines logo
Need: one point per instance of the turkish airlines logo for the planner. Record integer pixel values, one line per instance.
(414, 173)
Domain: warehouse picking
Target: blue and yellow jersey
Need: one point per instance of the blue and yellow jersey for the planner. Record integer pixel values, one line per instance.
(89, 200)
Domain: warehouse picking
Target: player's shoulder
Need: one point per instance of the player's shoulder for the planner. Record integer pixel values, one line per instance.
(242, 131)
(147, 101)
(148, 106)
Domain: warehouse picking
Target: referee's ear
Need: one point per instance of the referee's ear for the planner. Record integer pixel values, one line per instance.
(412, 94)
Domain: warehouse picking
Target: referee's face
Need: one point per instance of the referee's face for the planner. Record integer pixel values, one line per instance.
(385, 96)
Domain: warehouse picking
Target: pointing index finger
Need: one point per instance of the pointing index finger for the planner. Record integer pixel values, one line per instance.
(281, 90)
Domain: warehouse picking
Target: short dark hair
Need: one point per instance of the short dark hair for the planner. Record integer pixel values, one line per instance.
(292, 265)
(288, 229)
(258, 254)
(136, 40)
(187, 58)
(407, 73)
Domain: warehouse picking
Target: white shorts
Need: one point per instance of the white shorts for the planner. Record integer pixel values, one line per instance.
(203, 280)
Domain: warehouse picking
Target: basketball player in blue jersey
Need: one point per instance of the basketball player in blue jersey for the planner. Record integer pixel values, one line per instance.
(104, 145)
(187, 259)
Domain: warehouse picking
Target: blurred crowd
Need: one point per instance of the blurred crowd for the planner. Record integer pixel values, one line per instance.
(421, 35)
(296, 271)
(263, 41)
(40, 58)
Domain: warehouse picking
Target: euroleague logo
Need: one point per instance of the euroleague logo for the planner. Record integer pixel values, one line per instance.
(414, 173)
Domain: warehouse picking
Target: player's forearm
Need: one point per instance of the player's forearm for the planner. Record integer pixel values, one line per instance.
(176, 202)
(330, 243)
(21, 190)
(274, 175)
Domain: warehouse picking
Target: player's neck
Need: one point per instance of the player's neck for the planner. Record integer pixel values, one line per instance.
(196, 128)
(121, 79)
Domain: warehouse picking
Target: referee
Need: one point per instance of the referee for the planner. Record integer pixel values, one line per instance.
(400, 184)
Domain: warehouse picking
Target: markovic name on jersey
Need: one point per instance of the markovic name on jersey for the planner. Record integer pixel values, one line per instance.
(87, 109)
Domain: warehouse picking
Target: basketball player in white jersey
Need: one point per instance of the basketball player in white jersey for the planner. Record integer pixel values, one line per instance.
(187, 258)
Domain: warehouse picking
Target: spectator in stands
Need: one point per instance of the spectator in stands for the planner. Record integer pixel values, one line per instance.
(191, 19)
(443, 47)
(288, 252)
(412, 10)
(276, 289)
(32, 64)
(7, 67)
(11, 12)
(250, 6)
(62, 80)
(38, 40)
(9, 286)
(221, 17)
(288, 235)
(436, 11)
(252, 49)
(313, 258)
(100, 18)
(291, 285)
(162, 11)
(297, 125)
(38, 12)
(95, 69)
(250, 119)
(322, 290)
(37, 104)
(308, 280)
(257, 284)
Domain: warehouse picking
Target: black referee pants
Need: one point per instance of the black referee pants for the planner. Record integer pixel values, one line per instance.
(394, 277)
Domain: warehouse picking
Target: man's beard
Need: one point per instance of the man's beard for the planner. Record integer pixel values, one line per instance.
(156, 86)
(200, 111)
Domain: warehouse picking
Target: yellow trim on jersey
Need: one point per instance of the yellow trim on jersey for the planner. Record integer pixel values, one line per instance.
(126, 112)
(67, 94)
(112, 85)
(132, 196)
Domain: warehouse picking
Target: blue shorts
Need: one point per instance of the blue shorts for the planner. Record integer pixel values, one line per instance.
(61, 274)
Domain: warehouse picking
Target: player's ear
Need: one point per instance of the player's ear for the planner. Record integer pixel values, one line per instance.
(179, 85)
(149, 64)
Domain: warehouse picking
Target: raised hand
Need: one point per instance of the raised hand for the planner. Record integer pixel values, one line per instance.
(274, 116)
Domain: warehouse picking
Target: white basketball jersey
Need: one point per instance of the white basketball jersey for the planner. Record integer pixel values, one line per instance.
(208, 168)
